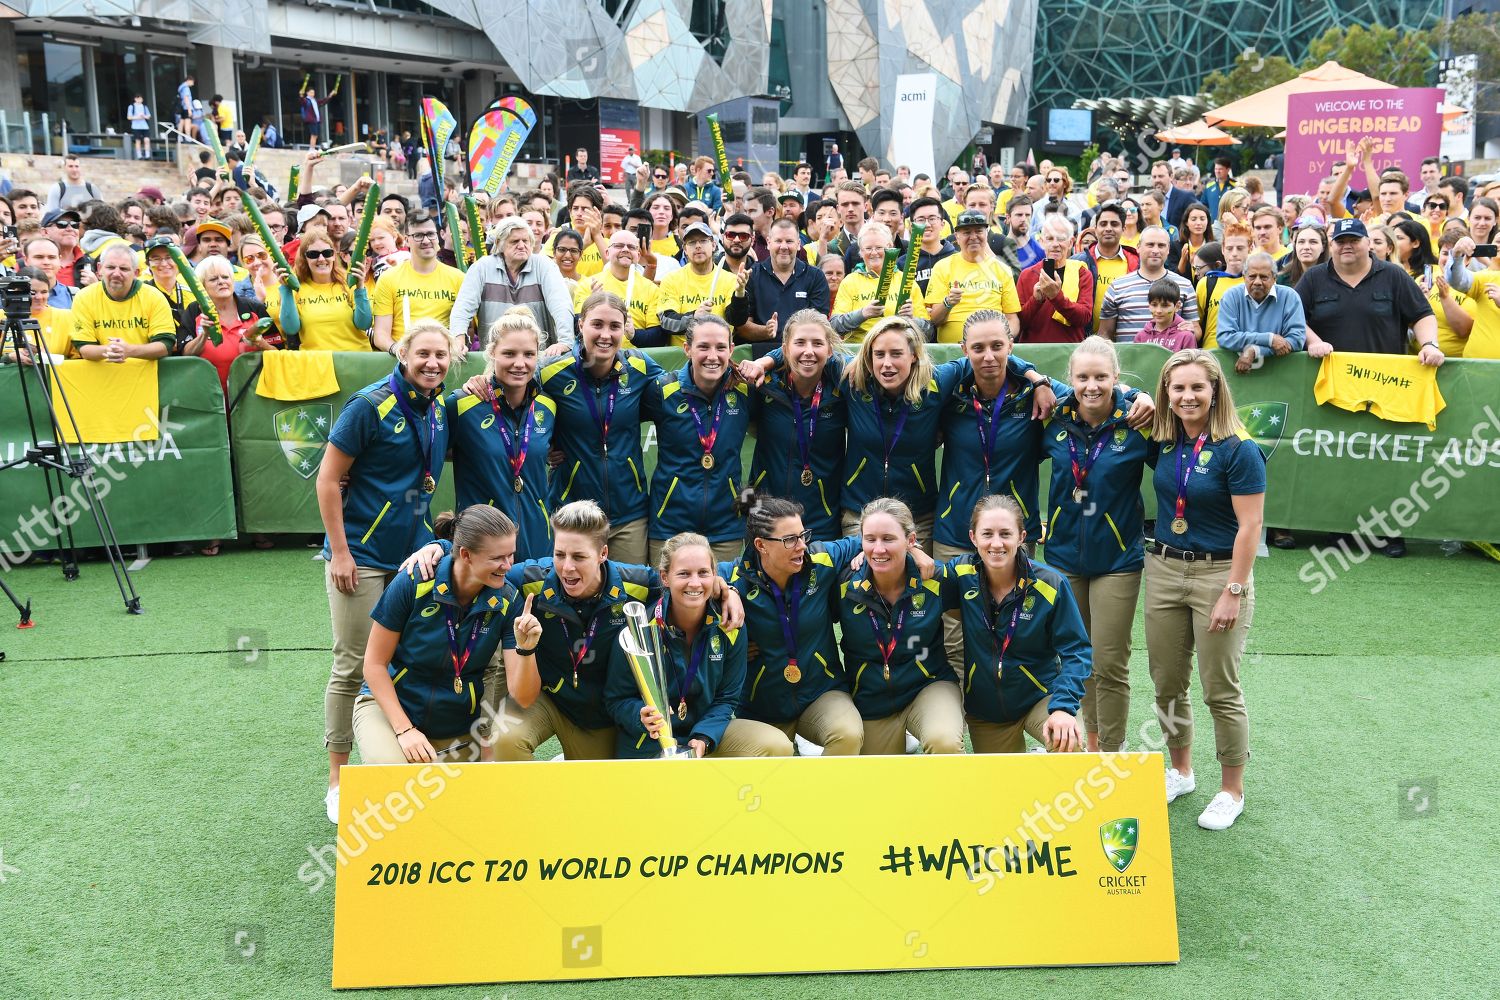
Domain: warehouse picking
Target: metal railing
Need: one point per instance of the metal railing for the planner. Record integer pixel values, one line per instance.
(23, 132)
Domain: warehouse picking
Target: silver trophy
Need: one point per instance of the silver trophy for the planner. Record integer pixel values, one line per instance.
(641, 642)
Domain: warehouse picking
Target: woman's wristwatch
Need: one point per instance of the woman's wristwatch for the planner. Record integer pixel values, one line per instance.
(1236, 589)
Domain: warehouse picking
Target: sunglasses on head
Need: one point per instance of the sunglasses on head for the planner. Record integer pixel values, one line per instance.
(318, 254)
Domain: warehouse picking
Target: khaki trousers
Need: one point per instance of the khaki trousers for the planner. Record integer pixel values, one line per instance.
(748, 738)
(723, 551)
(1107, 604)
(378, 743)
(924, 528)
(627, 542)
(350, 617)
(953, 623)
(935, 717)
(1179, 600)
(517, 733)
(1005, 737)
(832, 722)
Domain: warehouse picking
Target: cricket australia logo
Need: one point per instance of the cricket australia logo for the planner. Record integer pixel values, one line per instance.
(1266, 422)
(303, 433)
(1118, 839)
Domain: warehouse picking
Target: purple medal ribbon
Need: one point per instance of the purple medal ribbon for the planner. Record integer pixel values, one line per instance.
(695, 657)
(1182, 477)
(890, 442)
(887, 646)
(425, 451)
(805, 437)
(1081, 472)
(609, 402)
(578, 655)
(707, 440)
(788, 610)
(516, 458)
(460, 660)
(987, 440)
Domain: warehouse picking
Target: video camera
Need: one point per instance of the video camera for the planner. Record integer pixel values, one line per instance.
(15, 296)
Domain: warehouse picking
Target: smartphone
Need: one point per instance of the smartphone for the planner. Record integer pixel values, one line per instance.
(1486, 250)
(9, 232)
(1049, 267)
(643, 233)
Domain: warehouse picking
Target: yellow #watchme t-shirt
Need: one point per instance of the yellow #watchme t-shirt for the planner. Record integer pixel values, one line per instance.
(986, 284)
(858, 290)
(639, 292)
(327, 314)
(684, 290)
(405, 295)
(139, 318)
(1484, 341)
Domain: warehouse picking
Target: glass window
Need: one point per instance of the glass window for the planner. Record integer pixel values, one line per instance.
(257, 100)
(66, 94)
(117, 79)
(167, 72)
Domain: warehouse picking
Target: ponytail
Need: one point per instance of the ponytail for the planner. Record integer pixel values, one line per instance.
(471, 527)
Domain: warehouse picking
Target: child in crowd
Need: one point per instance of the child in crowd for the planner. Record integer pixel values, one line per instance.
(1166, 327)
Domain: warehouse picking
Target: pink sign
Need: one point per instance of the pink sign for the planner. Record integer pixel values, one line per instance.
(1404, 124)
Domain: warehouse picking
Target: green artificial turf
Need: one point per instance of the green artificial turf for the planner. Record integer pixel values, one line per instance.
(160, 794)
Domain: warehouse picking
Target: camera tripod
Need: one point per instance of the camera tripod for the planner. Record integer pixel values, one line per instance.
(50, 452)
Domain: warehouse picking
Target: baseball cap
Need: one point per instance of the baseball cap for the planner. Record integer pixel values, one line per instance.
(151, 194)
(307, 213)
(790, 196)
(158, 243)
(972, 219)
(677, 195)
(696, 228)
(1348, 227)
(66, 213)
(213, 226)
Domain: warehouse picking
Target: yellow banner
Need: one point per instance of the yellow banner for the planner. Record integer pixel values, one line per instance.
(485, 873)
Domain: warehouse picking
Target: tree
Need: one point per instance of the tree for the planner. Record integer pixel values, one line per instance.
(1403, 59)
(1250, 74)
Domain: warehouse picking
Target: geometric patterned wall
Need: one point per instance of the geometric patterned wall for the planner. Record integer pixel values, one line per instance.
(577, 49)
(1147, 48)
(231, 24)
(980, 50)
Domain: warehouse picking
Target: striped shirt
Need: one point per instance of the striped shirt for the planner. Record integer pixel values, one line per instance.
(1128, 302)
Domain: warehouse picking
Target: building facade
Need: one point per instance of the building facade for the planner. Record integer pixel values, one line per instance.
(830, 65)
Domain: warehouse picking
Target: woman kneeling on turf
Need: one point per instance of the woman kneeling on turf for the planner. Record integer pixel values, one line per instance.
(705, 672)
(432, 640)
(1026, 653)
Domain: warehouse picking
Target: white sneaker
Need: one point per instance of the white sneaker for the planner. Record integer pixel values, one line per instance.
(807, 748)
(1179, 784)
(331, 803)
(913, 745)
(1221, 813)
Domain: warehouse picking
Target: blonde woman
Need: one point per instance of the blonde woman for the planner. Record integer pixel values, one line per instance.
(1210, 483)
(500, 446)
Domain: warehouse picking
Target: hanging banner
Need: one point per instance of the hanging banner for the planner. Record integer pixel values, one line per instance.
(169, 483)
(911, 123)
(782, 865)
(1405, 124)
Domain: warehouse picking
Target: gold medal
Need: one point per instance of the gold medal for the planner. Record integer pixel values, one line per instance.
(429, 485)
(708, 460)
(792, 673)
(682, 710)
(807, 477)
(1078, 494)
(886, 671)
(458, 685)
(1179, 525)
(519, 484)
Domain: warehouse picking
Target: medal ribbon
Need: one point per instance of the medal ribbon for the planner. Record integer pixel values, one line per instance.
(890, 442)
(423, 450)
(707, 440)
(988, 433)
(887, 646)
(516, 457)
(609, 401)
(695, 658)
(1182, 476)
(460, 660)
(1010, 630)
(1081, 472)
(582, 651)
(805, 435)
(788, 608)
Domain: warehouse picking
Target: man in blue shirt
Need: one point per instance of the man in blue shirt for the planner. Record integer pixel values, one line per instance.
(1216, 188)
(185, 107)
(778, 286)
(1254, 320)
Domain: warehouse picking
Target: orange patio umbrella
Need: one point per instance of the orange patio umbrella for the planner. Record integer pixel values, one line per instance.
(1267, 109)
(1198, 133)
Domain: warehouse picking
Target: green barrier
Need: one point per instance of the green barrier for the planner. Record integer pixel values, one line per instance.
(1329, 469)
(176, 488)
